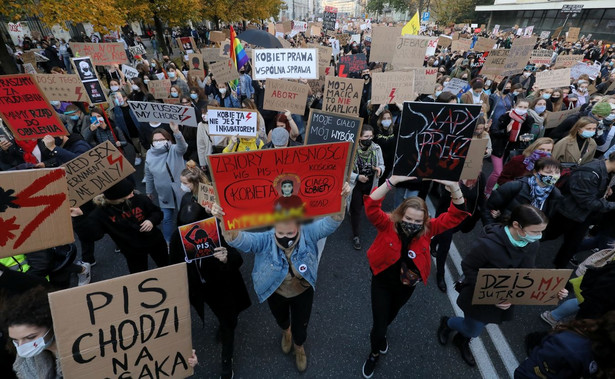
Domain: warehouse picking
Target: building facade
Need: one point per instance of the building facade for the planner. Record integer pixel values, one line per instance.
(596, 17)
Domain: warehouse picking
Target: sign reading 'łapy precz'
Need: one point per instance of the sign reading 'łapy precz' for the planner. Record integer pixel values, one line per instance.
(285, 64)
(166, 113)
(232, 122)
(25, 109)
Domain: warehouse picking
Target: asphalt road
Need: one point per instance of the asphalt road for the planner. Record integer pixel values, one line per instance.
(338, 334)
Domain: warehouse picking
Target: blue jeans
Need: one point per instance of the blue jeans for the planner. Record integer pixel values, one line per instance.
(467, 326)
(402, 194)
(66, 60)
(168, 223)
(566, 309)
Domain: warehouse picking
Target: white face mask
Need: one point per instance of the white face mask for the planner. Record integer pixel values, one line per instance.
(115, 88)
(222, 91)
(33, 348)
(160, 144)
(520, 112)
(134, 87)
(185, 188)
(154, 124)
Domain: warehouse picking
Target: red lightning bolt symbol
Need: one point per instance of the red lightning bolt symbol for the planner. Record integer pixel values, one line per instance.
(78, 92)
(26, 199)
(119, 159)
(249, 116)
(392, 95)
(187, 117)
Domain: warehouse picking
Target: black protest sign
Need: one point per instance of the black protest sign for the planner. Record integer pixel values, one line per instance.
(134, 326)
(479, 61)
(352, 64)
(434, 139)
(328, 20)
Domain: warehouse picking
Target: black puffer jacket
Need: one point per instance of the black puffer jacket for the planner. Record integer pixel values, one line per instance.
(512, 194)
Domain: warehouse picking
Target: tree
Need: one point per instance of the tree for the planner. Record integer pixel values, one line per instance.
(240, 10)
(458, 11)
(378, 6)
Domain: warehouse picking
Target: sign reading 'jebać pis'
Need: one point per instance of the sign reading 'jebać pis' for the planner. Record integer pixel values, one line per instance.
(134, 326)
(156, 112)
(285, 64)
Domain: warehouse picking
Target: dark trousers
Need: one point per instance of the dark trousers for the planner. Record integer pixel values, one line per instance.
(442, 244)
(228, 323)
(387, 300)
(137, 260)
(573, 232)
(356, 204)
(294, 312)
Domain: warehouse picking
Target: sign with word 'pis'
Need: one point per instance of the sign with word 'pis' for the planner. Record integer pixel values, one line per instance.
(199, 239)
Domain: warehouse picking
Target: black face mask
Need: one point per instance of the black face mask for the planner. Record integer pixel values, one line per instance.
(506, 91)
(410, 229)
(286, 241)
(365, 143)
(556, 98)
(366, 76)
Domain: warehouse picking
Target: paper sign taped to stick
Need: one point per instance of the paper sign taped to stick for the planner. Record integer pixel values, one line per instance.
(61, 87)
(232, 122)
(285, 64)
(199, 239)
(473, 164)
(129, 72)
(521, 286)
(553, 78)
(134, 325)
(281, 95)
(261, 187)
(36, 212)
(26, 110)
(342, 95)
(94, 171)
(207, 195)
(553, 119)
(384, 41)
(102, 54)
(434, 139)
(160, 89)
(224, 72)
(165, 113)
(410, 51)
(393, 87)
(455, 86)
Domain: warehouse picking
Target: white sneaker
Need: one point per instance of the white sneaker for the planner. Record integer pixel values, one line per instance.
(84, 276)
(137, 161)
(549, 319)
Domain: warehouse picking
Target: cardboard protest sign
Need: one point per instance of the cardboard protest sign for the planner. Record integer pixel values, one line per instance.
(393, 87)
(207, 195)
(93, 87)
(573, 34)
(186, 45)
(232, 122)
(285, 64)
(520, 53)
(133, 325)
(343, 38)
(352, 63)
(425, 79)
(557, 32)
(541, 57)
(553, 119)
(325, 127)
(432, 45)
(568, 60)
(197, 69)
(94, 171)
(314, 31)
(159, 88)
(553, 78)
(216, 36)
(434, 139)
(25, 109)
(583, 68)
(462, 44)
(455, 86)
(199, 239)
(342, 95)
(495, 62)
(473, 164)
(165, 113)
(212, 54)
(287, 26)
(137, 50)
(410, 51)
(522, 286)
(384, 41)
(258, 188)
(281, 95)
(129, 72)
(484, 44)
(101, 54)
(224, 72)
(61, 87)
(445, 41)
(35, 211)
(225, 49)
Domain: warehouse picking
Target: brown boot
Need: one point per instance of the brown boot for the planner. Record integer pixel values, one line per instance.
(300, 358)
(287, 341)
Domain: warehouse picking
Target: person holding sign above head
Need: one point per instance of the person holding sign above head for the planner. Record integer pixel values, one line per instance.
(511, 245)
(285, 271)
(399, 256)
(368, 167)
(285, 120)
(215, 281)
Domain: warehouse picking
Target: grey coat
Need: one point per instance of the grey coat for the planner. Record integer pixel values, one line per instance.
(42, 366)
(162, 172)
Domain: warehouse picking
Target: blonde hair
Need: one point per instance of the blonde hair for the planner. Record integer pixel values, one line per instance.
(194, 175)
(580, 124)
(540, 141)
(415, 203)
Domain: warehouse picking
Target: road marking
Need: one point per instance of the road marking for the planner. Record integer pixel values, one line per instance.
(481, 356)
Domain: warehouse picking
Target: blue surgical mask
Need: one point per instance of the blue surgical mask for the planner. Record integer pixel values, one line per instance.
(194, 96)
(438, 93)
(174, 94)
(529, 238)
(488, 92)
(74, 117)
(540, 108)
(588, 134)
(546, 96)
(171, 75)
(513, 241)
(386, 123)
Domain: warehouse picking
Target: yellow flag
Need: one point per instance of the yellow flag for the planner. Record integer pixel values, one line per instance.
(413, 26)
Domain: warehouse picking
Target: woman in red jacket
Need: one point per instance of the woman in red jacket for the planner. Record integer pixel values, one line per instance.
(399, 257)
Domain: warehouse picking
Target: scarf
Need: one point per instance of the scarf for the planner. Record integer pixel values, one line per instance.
(538, 193)
(28, 147)
(365, 158)
(533, 158)
(516, 121)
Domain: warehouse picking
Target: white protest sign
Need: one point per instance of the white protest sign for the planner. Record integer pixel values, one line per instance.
(455, 86)
(166, 113)
(129, 72)
(232, 122)
(285, 64)
(583, 68)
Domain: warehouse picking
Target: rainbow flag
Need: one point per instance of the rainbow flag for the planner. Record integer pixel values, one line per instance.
(238, 54)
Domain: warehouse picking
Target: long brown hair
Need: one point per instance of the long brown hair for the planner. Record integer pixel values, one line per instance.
(580, 124)
(194, 175)
(416, 203)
